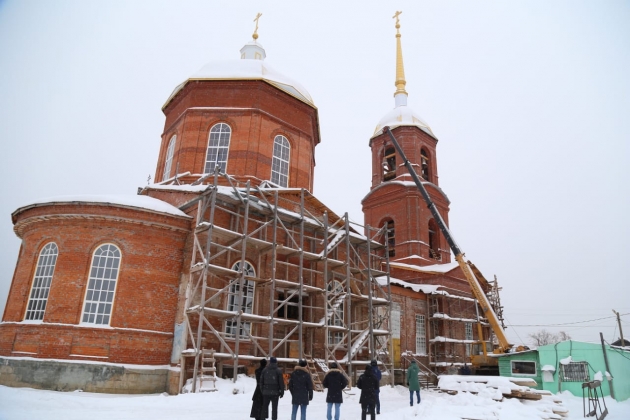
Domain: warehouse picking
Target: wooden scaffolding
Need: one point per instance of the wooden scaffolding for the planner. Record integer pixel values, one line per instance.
(273, 272)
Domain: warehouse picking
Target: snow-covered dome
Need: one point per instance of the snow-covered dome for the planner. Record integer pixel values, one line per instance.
(402, 116)
(251, 66)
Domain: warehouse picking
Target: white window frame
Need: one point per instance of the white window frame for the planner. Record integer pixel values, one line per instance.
(468, 331)
(40, 287)
(101, 288)
(421, 335)
(280, 161)
(170, 150)
(512, 367)
(218, 148)
(247, 304)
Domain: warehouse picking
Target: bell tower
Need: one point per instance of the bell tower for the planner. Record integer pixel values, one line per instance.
(394, 199)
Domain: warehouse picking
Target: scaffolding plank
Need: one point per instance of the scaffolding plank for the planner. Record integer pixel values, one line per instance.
(293, 285)
(217, 269)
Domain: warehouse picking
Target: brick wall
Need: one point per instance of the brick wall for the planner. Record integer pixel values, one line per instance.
(145, 301)
(256, 112)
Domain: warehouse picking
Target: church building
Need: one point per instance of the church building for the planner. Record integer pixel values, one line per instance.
(228, 257)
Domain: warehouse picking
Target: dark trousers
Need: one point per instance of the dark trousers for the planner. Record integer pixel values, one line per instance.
(274, 406)
(367, 408)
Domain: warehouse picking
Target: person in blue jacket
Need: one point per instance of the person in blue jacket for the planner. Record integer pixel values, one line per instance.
(379, 375)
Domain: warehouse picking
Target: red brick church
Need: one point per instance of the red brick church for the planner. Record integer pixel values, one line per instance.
(228, 257)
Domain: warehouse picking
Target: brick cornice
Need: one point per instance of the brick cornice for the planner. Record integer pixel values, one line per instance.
(24, 224)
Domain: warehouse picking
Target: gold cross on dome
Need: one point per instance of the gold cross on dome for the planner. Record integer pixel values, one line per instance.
(396, 17)
(255, 36)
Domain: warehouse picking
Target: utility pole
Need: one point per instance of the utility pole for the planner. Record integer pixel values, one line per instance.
(623, 343)
(610, 378)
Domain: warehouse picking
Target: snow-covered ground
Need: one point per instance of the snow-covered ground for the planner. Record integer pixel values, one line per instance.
(232, 401)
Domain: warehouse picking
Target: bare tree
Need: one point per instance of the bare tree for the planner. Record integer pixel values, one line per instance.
(563, 336)
(544, 337)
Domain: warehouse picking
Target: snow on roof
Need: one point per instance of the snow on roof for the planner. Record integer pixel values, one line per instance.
(240, 69)
(400, 180)
(402, 116)
(137, 201)
(175, 187)
(424, 288)
(435, 268)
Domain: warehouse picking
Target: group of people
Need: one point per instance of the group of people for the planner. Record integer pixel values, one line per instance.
(270, 388)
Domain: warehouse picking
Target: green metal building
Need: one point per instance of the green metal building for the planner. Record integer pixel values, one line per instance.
(567, 365)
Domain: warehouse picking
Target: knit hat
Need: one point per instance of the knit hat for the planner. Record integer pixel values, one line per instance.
(263, 362)
(413, 361)
(302, 363)
(273, 360)
(333, 365)
(373, 363)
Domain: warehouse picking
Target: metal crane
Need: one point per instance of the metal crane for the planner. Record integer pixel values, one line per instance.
(478, 360)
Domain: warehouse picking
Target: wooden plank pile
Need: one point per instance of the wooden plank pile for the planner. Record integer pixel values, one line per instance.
(498, 388)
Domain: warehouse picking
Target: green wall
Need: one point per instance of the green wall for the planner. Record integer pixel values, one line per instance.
(618, 361)
(505, 365)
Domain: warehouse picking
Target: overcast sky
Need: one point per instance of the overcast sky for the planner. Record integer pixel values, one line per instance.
(530, 101)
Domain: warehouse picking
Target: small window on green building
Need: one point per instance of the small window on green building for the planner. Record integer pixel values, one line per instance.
(574, 372)
(523, 368)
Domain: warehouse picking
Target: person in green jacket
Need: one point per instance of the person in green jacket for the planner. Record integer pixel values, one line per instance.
(412, 381)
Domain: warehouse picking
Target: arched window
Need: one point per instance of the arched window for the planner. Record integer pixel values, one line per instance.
(426, 167)
(246, 303)
(218, 146)
(169, 158)
(280, 162)
(434, 246)
(391, 237)
(99, 296)
(41, 283)
(389, 163)
(336, 297)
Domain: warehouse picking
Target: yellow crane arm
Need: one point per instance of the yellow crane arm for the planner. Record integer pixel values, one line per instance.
(479, 294)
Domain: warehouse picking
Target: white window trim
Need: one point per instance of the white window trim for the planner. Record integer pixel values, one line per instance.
(249, 271)
(43, 278)
(280, 174)
(88, 289)
(421, 335)
(214, 159)
(468, 335)
(170, 150)
(523, 361)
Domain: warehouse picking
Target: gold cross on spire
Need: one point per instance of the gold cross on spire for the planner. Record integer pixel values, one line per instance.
(397, 19)
(255, 35)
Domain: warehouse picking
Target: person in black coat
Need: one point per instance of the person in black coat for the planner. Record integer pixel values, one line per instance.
(335, 381)
(367, 383)
(257, 399)
(271, 387)
(379, 375)
(301, 388)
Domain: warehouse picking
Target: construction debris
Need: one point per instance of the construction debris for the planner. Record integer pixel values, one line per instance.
(498, 388)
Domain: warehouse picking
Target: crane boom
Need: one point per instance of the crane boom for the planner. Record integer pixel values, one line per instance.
(479, 294)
